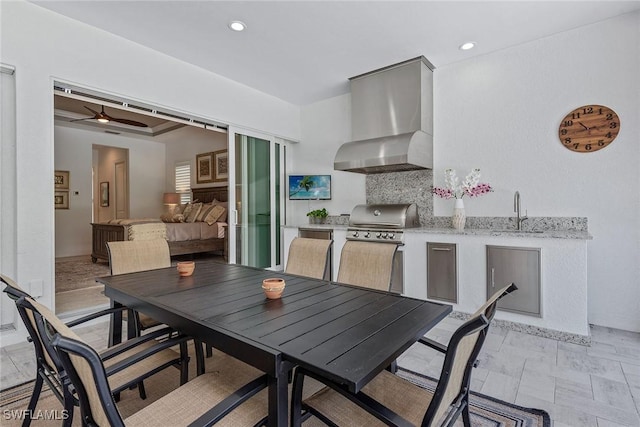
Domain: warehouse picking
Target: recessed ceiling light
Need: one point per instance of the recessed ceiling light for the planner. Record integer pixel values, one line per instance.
(237, 26)
(467, 46)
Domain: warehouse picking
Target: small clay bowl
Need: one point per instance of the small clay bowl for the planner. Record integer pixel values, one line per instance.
(185, 268)
(273, 288)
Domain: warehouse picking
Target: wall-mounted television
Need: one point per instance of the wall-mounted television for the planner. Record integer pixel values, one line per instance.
(309, 187)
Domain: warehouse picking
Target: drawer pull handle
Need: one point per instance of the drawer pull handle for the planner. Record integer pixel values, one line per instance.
(441, 249)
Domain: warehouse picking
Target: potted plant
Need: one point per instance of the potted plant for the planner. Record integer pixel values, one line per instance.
(317, 216)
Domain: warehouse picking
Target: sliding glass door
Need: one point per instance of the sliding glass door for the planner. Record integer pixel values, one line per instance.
(255, 199)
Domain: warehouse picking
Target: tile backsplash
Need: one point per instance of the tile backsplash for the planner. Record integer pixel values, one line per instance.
(403, 187)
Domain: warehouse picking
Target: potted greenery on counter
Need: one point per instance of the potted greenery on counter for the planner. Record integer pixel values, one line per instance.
(317, 216)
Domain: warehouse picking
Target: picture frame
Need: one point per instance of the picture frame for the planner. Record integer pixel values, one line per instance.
(309, 187)
(61, 180)
(61, 199)
(204, 168)
(220, 166)
(104, 194)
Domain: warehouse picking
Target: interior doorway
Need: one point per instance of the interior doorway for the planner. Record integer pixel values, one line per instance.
(119, 169)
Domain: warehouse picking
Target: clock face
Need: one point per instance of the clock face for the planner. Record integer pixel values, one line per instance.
(589, 128)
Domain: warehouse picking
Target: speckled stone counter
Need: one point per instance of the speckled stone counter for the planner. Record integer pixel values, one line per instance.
(548, 234)
(541, 227)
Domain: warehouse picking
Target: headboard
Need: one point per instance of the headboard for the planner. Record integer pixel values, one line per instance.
(207, 194)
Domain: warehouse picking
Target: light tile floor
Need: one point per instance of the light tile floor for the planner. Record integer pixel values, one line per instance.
(579, 386)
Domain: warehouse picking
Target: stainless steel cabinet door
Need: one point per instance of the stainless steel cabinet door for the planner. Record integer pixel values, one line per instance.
(442, 277)
(515, 265)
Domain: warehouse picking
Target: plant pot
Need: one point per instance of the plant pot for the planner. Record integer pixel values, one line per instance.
(273, 288)
(185, 268)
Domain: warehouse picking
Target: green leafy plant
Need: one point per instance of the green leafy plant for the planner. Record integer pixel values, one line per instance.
(318, 213)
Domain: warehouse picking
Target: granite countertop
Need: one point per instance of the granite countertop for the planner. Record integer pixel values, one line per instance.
(547, 234)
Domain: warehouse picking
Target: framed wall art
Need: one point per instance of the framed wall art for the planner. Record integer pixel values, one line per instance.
(220, 166)
(61, 199)
(309, 187)
(61, 180)
(104, 194)
(204, 168)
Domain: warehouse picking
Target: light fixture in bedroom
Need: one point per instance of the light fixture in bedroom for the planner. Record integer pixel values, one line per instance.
(171, 200)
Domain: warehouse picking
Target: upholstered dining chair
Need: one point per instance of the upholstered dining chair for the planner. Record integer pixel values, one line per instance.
(390, 400)
(367, 264)
(308, 257)
(139, 255)
(203, 401)
(129, 363)
(131, 256)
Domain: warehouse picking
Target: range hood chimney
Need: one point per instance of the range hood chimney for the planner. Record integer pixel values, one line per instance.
(391, 120)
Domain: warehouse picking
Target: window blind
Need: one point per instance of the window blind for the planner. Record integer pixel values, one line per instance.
(183, 181)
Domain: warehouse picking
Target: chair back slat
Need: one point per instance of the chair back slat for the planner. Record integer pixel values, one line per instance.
(87, 373)
(367, 264)
(308, 257)
(44, 354)
(12, 289)
(138, 255)
(462, 351)
(451, 383)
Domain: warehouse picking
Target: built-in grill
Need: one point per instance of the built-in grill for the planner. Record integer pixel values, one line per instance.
(382, 223)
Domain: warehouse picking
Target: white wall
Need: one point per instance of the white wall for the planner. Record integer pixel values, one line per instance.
(73, 152)
(500, 112)
(44, 47)
(325, 126)
(183, 145)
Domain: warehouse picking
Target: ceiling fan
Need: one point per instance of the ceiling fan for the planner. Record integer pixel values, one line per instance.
(103, 117)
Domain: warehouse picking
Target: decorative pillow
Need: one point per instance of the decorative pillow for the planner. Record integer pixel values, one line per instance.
(180, 208)
(186, 209)
(215, 214)
(193, 214)
(176, 217)
(225, 205)
(206, 208)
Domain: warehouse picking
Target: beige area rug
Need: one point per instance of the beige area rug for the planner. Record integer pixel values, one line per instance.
(78, 272)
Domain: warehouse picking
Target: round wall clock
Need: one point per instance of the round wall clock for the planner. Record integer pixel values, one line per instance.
(589, 128)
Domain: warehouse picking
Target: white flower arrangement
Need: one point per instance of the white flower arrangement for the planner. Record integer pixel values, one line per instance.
(469, 186)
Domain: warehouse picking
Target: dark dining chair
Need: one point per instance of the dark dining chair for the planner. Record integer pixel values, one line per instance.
(391, 400)
(128, 364)
(203, 401)
(308, 257)
(367, 264)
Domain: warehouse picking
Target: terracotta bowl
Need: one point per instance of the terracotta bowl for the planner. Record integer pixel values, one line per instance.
(185, 268)
(273, 288)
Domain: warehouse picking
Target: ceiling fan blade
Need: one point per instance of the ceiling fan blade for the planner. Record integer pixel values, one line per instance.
(93, 111)
(86, 118)
(129, 122)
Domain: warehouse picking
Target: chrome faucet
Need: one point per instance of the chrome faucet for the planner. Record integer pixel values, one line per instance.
(516, 209)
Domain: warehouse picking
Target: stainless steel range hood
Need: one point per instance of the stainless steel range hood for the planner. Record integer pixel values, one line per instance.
(391, 120)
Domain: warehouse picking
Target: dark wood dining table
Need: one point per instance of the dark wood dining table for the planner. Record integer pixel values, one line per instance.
(346, 333)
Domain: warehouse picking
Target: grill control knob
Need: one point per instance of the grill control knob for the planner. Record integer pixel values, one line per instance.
(366, 235)
(391, 235)
(356, 234)
(378, 235)
(384, 235)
